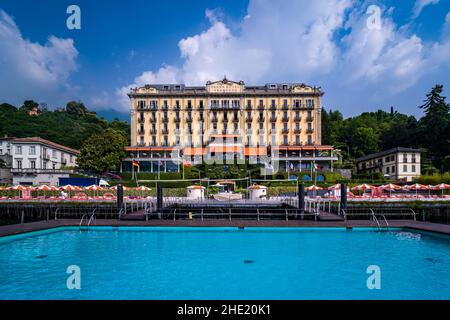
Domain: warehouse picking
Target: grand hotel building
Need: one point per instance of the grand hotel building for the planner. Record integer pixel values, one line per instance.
(228, 121)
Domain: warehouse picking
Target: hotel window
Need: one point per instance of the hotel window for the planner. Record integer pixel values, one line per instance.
(388, 159)
(413, 158)
(393, 169)
(19, 164)
(261, 125)
(154, 140)
(142, 140)
(165, 104)
(249, 126)
(405, 168)
(18, 149)
(285, 103)
(309, 103)
(141, 104)
(285, 139)
(387, 169)
(273, 126)
(261, 103)
(413, 168)
(405, 158)
(44, 165)
(297, 139)
(235, 104)
(54, 154)
(189, 104)
(235, 127)
(166, 141)
(153, 104)
(309, 139)
(249, 104)
(33, 164)
(272, 103)
(200, 104)
(32, 150)
(297, 103)
(177, 104)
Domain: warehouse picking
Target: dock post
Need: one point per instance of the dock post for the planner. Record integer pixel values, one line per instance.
(301, 196)
(159, 197)
(343, 197)
(119, 197)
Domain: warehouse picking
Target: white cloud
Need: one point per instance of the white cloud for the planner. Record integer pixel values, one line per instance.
(325, 42)
(419, 5)
(29, 69)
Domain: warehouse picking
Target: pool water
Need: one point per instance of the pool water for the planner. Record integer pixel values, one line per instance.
(224, 263)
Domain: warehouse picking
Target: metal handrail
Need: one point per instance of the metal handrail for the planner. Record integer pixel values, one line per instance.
(385, 220)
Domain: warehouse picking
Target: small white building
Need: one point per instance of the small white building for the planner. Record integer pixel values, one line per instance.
(402, 164)
(35, 161)
(196, 192)
(257, 192)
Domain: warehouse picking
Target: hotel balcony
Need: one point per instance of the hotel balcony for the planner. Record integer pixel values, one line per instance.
(141, 131)
(309, 130)
(272, 107)
(248, 107)
(285, 119)
(141, 120)
(152, 131)
(261, 119)
(285, 130)
(225, 107)
(285, 107)
(37, 171)
(310, 119)
(260, 107)
(165, 107)
(297, 130)
(249, 120)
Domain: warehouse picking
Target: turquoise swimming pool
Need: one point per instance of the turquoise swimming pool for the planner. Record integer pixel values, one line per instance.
(224, 263)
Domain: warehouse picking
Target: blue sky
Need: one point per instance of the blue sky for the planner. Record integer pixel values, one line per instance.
(326, 43)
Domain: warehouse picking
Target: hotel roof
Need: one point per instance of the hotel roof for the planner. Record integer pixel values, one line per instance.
(49, 143)
(386, 152)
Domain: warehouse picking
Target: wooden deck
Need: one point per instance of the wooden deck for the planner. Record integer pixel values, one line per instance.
(43, 225)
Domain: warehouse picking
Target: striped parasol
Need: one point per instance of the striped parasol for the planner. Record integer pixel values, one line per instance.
(94, 187)
(115, 188)
(418, 186)
(442, 187)
(313, 188)
(143, 188)
(363, 187)
(21, 188)
(391, 187)
(335, 187)
(70, 188)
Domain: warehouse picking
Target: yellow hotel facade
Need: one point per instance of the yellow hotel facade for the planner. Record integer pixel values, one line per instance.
(227, 122)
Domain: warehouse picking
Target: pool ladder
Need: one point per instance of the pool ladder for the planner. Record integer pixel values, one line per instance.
(374, 218)
(92, 218)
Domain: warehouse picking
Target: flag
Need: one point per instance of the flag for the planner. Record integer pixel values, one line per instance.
(316, 167)
(136, 164)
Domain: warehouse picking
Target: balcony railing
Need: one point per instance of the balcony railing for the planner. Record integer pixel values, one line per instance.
(261, 107)
(34, 170)
(225, 107)
(273, 107)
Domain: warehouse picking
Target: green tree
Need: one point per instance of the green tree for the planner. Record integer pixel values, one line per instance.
(103, 151)
(76, 108)
(28, 105)
(434, 127)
